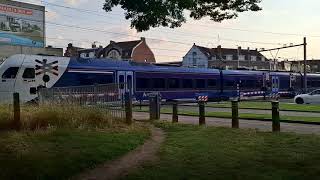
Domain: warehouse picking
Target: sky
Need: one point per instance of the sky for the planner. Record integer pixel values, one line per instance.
(279, 23)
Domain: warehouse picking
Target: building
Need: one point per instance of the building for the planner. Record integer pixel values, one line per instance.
(313, 66)
(9, 50)
(225, 58)
(22, 27)
(137, 51)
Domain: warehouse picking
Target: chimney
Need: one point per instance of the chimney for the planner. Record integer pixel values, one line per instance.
(143, 39)
(69, 45)
(112, 42)
(219, 47)
(94, 45)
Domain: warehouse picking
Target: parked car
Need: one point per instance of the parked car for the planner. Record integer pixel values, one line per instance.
(310, 98)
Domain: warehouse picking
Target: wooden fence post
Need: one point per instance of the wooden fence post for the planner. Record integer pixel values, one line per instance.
(175, 117)
(154, 106)
(128, 108)
(235, 114)
(202, 115)
(16, 111)
(275, 116)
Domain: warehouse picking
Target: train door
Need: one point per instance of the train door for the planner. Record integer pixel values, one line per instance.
(125, 82)
(275, 84)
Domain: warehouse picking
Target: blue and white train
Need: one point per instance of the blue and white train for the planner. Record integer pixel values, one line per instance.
(26, 73)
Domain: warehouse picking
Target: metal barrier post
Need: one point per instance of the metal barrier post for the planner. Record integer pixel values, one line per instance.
(175, 117)
(235, 114)
(128, 108)
(202, 115)
(275, 116)
(16, 111)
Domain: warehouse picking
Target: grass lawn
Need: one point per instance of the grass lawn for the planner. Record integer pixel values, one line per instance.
(59, 142)
(267, 106)
(193, 152)
(228, 115)
(62, 153)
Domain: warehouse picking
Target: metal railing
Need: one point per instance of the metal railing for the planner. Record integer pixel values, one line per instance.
(100, 96)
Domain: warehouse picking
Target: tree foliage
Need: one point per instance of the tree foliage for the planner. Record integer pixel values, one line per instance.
(145, 14)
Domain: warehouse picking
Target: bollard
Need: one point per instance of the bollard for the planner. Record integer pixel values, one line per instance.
(202, 115)
(16, 111)
(235, 114)
(175, 117)
(154, 107)
(128, 108)
(275, 116)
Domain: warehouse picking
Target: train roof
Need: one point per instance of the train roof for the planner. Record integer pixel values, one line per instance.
(110, 64)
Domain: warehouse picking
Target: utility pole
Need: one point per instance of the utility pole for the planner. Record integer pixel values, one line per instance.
(305, 64)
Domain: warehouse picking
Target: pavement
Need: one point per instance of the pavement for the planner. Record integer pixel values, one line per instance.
(253, 111)
(265, 126)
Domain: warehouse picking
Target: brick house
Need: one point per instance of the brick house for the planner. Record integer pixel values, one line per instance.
(137, 51)
(224, 58)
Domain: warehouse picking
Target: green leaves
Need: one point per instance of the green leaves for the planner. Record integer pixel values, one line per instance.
(145, 14)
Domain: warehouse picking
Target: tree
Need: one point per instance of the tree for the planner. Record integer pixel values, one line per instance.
(145, 14)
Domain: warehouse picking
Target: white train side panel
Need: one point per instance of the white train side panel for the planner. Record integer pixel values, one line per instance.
(25, 73)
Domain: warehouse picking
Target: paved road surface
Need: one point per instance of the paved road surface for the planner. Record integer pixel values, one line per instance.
(247, 124)
(251, 111)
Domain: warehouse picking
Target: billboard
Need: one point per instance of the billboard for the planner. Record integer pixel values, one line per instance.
(22, 24)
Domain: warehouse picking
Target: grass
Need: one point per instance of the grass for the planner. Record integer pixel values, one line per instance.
(193, 152)
(267, 106)
(59, 142)
(228, 115)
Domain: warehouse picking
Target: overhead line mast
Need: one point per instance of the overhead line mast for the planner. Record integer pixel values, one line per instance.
(304, 44)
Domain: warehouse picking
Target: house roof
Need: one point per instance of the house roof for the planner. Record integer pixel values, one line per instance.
(126, 47)
(209, 52)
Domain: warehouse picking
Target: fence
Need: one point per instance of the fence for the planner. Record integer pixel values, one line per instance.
(100, 96)
(154, 110)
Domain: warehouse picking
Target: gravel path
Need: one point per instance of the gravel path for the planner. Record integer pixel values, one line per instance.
(130, 162)
(246, 124)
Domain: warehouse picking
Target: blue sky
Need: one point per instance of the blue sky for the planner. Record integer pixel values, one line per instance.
(295, 18)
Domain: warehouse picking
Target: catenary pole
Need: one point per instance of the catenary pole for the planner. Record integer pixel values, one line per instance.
(305, 64)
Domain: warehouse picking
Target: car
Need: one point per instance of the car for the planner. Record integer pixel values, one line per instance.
(310, 98)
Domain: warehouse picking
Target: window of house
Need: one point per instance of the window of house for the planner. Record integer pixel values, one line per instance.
(10, 73)
(194, 58)
(29, 73)
(114, 54)
(253, 58)
(241, 57)
(229, 57)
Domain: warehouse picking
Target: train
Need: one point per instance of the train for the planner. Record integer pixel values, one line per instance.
(25, 74)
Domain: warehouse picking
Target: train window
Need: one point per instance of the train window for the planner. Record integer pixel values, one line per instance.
(187, 83)
(212, 83)
(129, 82)
(10, 73)
(173, 83)
(250, 83)
(229, 83)
(29, 73)
(200, 83)
(158, 83)
(143, 83)
(121, 81)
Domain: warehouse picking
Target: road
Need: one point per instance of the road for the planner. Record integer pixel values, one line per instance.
(265, 126)
(251, 111)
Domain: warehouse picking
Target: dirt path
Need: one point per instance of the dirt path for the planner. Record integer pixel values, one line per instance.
(130, 162)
